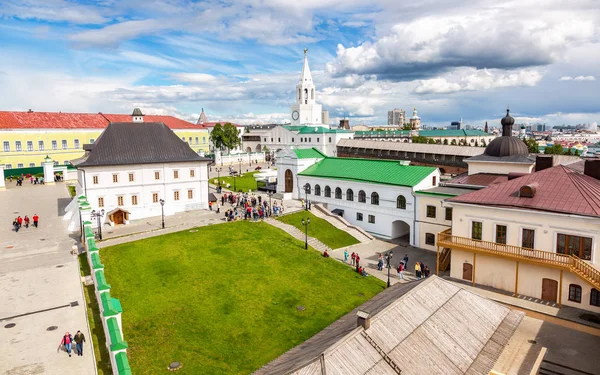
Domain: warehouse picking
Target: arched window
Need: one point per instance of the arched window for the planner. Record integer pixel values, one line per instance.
(317, 190)
(327, 192)
(362, 197)
(307, 188)
(338, 193)
(401, 202)
(374, 198)
(349, 195)
(595, 297)
(575, 293)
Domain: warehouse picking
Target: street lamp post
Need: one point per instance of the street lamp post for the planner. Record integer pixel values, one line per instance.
(240, 161)
(98, 215)
(388, 259)
(162, 210)
(305, 223)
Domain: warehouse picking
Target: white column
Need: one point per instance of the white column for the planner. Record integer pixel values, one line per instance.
(2, 178)
(48, 165)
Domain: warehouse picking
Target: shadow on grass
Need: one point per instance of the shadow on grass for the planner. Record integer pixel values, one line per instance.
(93, 311)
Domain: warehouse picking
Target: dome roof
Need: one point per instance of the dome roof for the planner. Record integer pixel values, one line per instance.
(507, 145)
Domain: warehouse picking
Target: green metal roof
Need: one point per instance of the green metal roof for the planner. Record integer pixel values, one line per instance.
(293, 127)
(309, 153)
(369, 170)
(381, 132)
(453, 133)
(321, 130)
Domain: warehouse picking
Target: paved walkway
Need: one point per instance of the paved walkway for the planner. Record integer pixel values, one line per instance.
(319, 211)
(37, 273)
(299, 235)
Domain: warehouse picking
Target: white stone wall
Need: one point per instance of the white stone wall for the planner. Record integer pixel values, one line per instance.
(499, 168)
(426, 224)
(144, 185)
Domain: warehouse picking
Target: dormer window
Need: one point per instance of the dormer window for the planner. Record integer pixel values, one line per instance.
(528, 191)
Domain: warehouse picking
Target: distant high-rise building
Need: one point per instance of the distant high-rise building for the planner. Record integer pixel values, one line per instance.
(396, 117)
(345, 123)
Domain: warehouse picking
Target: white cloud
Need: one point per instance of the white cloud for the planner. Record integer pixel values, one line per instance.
(54, 11)
(566, 78)
(112, 35)
(194, 77)
(479, 80)
(585, 78)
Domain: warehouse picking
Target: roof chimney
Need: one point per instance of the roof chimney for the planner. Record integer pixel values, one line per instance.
(513, 175)
(592, 168)
(363, 320)
(29, 111)
(543, 162)
(137, 115)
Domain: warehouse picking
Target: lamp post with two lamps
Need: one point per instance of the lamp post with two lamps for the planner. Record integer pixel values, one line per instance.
(162, 211)
(388, 259)
(98, 215)
(305, 224)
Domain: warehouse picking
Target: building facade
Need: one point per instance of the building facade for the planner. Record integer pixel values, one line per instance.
(397, 117)
(28, 137)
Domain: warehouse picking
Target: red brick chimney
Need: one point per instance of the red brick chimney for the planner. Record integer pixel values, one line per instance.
(592, 168)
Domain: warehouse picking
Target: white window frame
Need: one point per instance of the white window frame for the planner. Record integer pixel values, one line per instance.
(65, 144)
(18, 146)
(41, 146)
(55, 145)
(29, 146)
(6, 146)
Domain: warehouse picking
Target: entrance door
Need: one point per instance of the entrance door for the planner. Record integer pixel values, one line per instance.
(467, 271)
(119, 217)
(549, 290)
(289, 181)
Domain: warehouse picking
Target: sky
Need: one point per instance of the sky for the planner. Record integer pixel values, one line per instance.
(240, 60)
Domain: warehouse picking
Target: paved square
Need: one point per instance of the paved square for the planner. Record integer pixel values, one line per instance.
(37, 273)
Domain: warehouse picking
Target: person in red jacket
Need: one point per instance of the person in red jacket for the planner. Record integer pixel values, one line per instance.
(26, 220)
(36, 218)
(20, 221)
(66, 341)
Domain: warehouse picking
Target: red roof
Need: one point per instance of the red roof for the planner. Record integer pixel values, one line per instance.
(557, 189)
(59, 120)
(212, 124)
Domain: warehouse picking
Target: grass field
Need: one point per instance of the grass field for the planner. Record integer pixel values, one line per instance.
(244, 183)
(223, 300)
(320, 229)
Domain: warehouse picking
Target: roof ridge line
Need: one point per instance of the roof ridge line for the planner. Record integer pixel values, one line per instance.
(578, 181)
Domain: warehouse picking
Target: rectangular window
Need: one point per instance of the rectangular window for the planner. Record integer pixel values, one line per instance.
(190, 194)
(279, 140)
(309, 140)
(115, 178)
(176, 195)
(192, 173)
(190, 140)
(292, 140)
(54, 145)
(8, 166)
(157, 175)
(595, 297)
(528, 239)
(20, 165)
(204, 139)
(131, 179)
(65, 162)
(29, 146)
(175, 174)
(6, 146)
(41, 145)
(575, 293)
(574, 245)
(431, 211)
(359, 216)
(449, 213)
(64, 144)
(18, 146)
(476, 230)
(31, 165)
(271, 140)
(329, 139)
(501, 234)
(183, 139)
(265, 139)
(196, 140)
(100, 202)
(95, 180)
(92, 140)
(429, 238)
(134, 200)
(76, 143)
(372, 219)
(154, 197)
(120, 200)
(434, 180)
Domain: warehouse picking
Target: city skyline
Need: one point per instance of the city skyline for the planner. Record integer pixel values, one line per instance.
(241, 61)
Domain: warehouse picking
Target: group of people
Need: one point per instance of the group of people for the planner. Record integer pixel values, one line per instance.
(250, 207)
(67, 342)
(421, 270)
(19, 222)
(306, 204)
(32, 180)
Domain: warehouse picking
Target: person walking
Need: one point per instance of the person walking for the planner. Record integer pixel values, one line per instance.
(401, 271)
(66, 341)
(422, 268)
(418, 270)
(357, 260)
(20, 220)
(353, 258)
(346, 256)
(380, 262)
(79, 340)
(218, 207)
(405, 260)
(210, 205)
(26, 220)
(16, 225)
(36, 218)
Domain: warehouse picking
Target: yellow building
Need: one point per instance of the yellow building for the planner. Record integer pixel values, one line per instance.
(27, 137)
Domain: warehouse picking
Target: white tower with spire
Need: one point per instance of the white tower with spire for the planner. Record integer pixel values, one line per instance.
(306, 111)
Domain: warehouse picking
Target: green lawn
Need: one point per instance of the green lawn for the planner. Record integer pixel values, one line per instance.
(224, 300)
(93, 310)
(244, 183)
(320, 229)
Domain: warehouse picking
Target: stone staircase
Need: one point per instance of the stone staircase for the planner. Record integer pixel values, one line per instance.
(298, 234)
(340, 223)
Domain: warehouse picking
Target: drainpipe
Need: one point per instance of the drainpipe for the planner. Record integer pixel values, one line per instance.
(84, 183)
(414, 218)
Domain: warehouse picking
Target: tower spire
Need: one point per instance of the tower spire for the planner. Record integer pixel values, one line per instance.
(305, 77)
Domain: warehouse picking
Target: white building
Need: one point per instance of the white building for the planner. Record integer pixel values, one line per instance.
(376, 195)
(306, 110)
(133, 166)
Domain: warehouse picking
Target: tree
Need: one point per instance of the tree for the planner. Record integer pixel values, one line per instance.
(227, 136)
(532, 145)
(446, 142)
(419, 139)
(407, 127)
(476, 143)
(483, 143)
(438, 141)
(431, 141)
(556, 149)
(453, 143)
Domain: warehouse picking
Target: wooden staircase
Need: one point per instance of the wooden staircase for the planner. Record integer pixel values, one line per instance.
(585, 271)
(445, 256)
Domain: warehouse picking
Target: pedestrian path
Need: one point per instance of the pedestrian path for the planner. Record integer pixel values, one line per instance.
(340, 223)
(298, 234)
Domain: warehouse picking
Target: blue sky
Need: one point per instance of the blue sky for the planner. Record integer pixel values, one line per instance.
(240, 60)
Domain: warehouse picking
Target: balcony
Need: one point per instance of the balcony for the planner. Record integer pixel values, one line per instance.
(569, 263)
